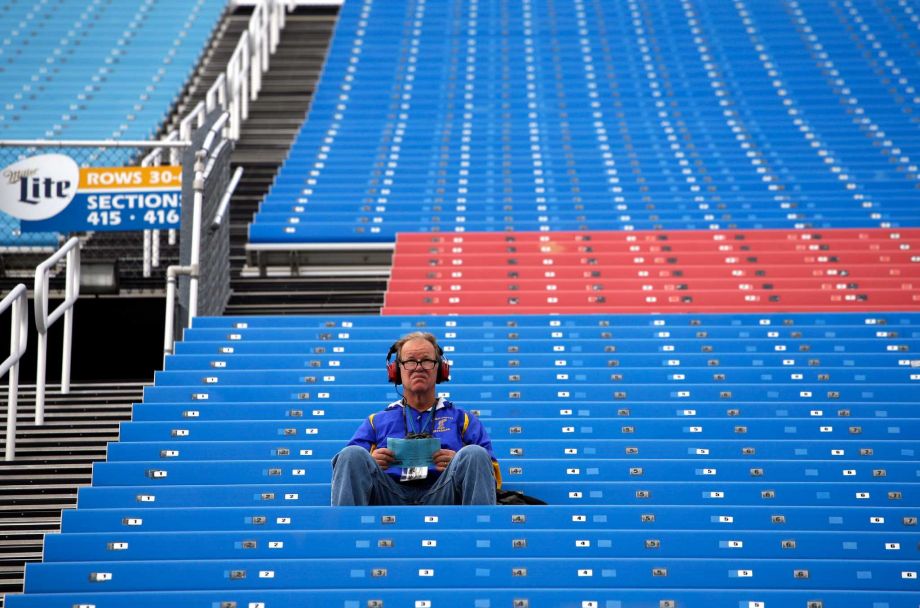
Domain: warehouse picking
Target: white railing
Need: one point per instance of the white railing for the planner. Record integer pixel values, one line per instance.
(204, 163)
(19, 339)
(239, 84)
(151, 249)
(44, 320)
(225, 201)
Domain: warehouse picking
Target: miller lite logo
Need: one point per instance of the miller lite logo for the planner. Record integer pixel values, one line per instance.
(39, 187)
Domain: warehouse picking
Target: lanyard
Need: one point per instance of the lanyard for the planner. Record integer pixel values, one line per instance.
(410, 428)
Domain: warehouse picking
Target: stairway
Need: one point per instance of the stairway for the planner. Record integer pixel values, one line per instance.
(52, 461)
(275, 117)
(301, 284)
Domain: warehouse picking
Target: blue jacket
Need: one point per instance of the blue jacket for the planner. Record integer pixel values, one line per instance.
(453, 426)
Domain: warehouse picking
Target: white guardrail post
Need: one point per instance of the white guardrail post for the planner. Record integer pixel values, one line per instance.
(202, 171)
(19, 338)
(44, 320)
(172, 272)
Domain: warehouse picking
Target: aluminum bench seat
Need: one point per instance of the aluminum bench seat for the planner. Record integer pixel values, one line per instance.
(510, 363)
(731, 109)
(725, 493)
(595, 468)
(815, 346)
(766, 517)
(512, 335)
(486, 410)
(591, 309)
(408, 323)
(435, 573)
(337, 232)
(634, 393)
(550, 374)
(899, 429)
(509, 450)
(463, 598)
(562, 543)
(898, 298)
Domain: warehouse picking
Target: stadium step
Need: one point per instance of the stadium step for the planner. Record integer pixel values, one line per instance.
(51, 462)
(277, 114)
(274, 120)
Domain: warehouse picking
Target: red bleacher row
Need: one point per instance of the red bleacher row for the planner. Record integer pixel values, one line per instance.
(691, 271)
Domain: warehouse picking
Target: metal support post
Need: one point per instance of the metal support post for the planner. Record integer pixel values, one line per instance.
(19, 339)
(44, 320)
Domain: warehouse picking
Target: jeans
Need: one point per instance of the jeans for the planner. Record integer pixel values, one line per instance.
(358, 480)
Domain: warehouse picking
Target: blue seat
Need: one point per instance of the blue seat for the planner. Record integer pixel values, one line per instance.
(799, 362)
(550, 374)
(725, 460)
(726, 493)
(517, 127)
(509, 450)
(436, 573)
(780, 321)
(518, 544)
(473, 393)
(513, 428)
(609, 469)
(534, 334)
(716, 598)
(583, 410)
(793, 518)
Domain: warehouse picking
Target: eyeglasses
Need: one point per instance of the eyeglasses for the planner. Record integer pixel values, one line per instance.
(411, 364)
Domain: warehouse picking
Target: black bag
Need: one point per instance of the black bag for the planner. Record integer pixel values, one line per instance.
(513, 497)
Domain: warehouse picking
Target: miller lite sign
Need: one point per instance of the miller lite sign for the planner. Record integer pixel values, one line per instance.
(50, 193)
(40, 187)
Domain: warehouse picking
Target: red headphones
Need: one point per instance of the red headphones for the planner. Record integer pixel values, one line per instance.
(394, 377)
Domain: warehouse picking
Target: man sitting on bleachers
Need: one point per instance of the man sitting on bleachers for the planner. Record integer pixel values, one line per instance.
(462, 470)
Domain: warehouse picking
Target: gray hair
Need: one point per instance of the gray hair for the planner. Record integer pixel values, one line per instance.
(418, 335)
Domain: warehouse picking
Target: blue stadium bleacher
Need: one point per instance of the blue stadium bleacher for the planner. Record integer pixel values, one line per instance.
(625, 115)
(219, 481)
(94, 70)
(756, 460)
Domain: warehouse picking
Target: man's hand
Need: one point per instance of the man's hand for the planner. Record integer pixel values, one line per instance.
(442, 458)
(384, 457)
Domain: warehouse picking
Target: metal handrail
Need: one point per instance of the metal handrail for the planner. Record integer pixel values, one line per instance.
(19, 339)
(202, 172)
(44, 320)
(233, 89)
(225, 201)
(172, 272)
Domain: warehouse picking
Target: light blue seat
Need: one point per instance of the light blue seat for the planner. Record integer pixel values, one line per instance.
(95, 71)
